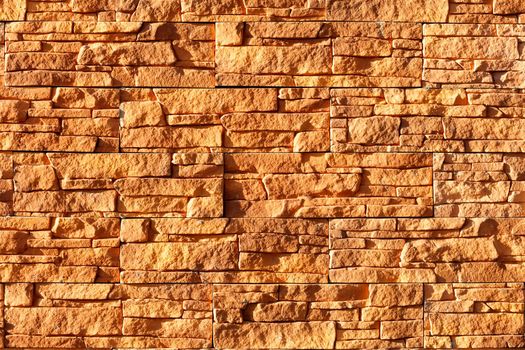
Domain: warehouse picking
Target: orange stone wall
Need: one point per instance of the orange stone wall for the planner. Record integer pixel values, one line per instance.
(262, 174)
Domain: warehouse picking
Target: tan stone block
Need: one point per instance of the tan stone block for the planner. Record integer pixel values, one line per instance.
(13, 111)
(464, 192)
(72, 227)
(124, 54)
(12, 10)
(156, 10)
(152, 308)
(76, 291)
(365, 47)
(401, 329)
(229, 33)
(168, 328)
(214, 255)
(395, 295)
(475, 324)
(471, 48)
(274, 60)
(450, 250)
(219, 101)
(13, 242)
(276, 335)
(85, 166)
(398, 10)
(170, 137)
(279, 312)
(18, 294)
(35, 178)
(86, 98)
(299, 185)
(134, 230)
(142, 113)
(49, 321)
(507, 7)
(374, 130)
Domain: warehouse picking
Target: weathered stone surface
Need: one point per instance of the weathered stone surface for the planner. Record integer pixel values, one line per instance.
(64, 321)
(277, 335)
(173, 256)
(80, 166)
(12, 10)
(324, 54)
(398, 10)
(181, 101)
(136, 114)
(293, 186)
(263, 174)
(252, 312)
(109, 52)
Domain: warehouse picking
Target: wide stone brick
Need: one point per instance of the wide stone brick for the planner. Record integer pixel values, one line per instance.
(490, 55)
(470, 316)
(227, 120)
(321, 55)
(327, 185)
(139, 54)
(426, 250)
(113, 315)
(224, 250)
(347, 316)
(426, 120)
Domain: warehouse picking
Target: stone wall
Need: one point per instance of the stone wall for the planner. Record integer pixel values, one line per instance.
(262, 174)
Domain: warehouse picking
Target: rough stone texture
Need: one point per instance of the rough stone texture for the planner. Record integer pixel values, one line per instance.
(318, 316)
(111, 316)
(227, 120)
(447, 249)
(60, 249)
(225, 250)
(427, 120)
(328, 185)
(473, 55)
(139, 54)
(478, 185)
(113, 184)
(324, 54)
(262, 174)
(474, 316)
(452, 11)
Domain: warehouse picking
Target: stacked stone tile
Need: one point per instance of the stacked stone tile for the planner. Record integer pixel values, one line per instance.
(262, 174)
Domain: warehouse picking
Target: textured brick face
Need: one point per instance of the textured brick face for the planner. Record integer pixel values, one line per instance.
(262, 174)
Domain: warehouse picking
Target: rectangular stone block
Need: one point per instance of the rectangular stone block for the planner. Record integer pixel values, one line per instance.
(133, 184)
(426, 120)
(113, 316)
(327, 185)
(224, 250)
(335, 54)
(394, 10)
(474, 316)
(473, 55)
(110, 54)
(340, 316)
(225, 120)
(478, 185)
(175, 11)
(61, 249)
(59, 119)
(426, 250)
